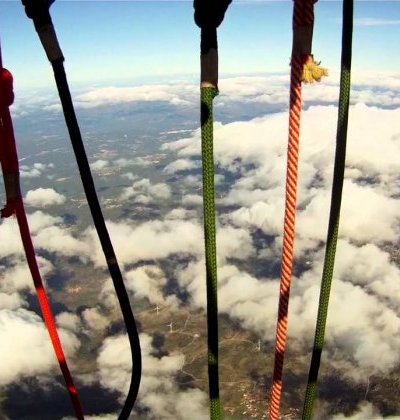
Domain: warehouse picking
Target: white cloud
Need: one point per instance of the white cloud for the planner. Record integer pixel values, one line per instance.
(367, 21)
(42, 197)
(158, 386)
(60, 240)
(384, 79)
(22, 333)
(99, 164)
(147, 282)
(181, 165)
(36, 170)
(377, 221)
(367, 87)
(112, 95)
(130, 175)
(53, 108)
(150, 240)
(11, 301)
(39, 220)
(365, 410)
(271, 89)
(192, 181)
(261, 187)
(364, 146)
(69, 321)
(366, 282)
(10, 243)
(145, 192)
(181, 213)
(192, 200)
(363, 323)
(233, 242)
(265, 216)
(371, 268)
(115, 363)
(142, 161)
(17, 276)
(363, 328)
(247, 88)
(94, 319)
(47, 233)
(123, 162)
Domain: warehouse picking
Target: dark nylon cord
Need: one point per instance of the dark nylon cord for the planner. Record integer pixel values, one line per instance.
(336, 199)
(207, 96)
(38, 11)
(98, 219)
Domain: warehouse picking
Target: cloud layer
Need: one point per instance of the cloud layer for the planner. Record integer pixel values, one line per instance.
(43, 197)
(364, 319)
(158, 388)
(26, 346)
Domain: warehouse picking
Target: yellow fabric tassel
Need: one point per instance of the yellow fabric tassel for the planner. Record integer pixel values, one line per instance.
(312, 72)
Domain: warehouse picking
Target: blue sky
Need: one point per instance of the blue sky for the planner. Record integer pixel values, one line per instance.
(112, 41)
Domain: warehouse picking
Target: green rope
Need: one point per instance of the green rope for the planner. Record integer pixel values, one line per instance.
(336, 199)
(207, 96)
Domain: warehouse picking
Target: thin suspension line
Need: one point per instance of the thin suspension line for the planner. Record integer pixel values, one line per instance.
(15, 205)
(336, 200)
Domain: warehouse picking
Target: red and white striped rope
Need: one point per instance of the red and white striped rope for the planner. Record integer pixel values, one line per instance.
(303, 14)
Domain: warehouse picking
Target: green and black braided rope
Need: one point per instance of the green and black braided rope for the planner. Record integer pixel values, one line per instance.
(208, 15)
(336, 200)
(207, 96)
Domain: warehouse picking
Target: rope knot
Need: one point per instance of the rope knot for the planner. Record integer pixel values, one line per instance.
(38, 11)
(303, 26)
(9, 209)
(210, 14)
(6, 88)
(312, 71)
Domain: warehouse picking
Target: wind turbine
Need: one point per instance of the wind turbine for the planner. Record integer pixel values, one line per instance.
(170, 326)
(258, 345)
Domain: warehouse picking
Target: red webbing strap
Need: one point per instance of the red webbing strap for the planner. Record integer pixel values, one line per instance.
(303, 19)
(10, 167)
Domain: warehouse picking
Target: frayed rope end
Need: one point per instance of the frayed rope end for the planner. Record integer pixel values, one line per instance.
(313, 72)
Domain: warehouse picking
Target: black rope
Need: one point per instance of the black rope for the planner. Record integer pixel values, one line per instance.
(95, 209)
(38, 11)
(208, 15)
(98, 219)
